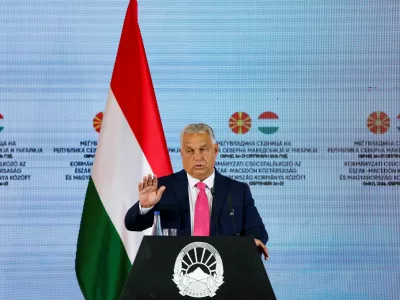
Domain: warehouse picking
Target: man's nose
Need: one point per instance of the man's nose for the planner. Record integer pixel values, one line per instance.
(197, 154)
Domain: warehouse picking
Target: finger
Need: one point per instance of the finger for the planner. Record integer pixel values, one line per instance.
(150, 180)
(145, 179)
(155, 180)
(161, 191)
(140, 186)
(265, 250)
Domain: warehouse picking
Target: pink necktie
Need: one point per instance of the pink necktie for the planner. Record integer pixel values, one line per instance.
(201, 213)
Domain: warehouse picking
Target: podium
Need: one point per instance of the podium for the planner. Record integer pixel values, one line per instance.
(188, 267)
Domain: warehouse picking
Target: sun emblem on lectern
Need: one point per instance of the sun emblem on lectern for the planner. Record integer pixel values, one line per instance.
(198, 270)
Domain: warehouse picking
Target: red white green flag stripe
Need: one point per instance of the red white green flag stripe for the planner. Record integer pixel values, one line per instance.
(1, 127)
(268, 122)
(131, 144)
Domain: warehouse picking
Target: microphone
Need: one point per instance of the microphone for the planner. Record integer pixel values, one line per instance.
(216, 217)
(232, 214)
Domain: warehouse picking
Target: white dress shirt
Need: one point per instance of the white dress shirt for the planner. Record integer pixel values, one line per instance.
(193, 191)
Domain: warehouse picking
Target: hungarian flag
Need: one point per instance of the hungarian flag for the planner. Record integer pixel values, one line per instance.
(268, 122)
(398, 122)
(1, 118)
(131, 144)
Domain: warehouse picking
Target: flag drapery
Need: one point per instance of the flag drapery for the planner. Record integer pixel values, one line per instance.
(131, 144)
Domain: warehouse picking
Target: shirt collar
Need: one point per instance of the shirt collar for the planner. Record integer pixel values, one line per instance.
(209, 181)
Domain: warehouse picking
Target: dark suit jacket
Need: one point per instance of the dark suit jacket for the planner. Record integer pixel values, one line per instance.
(175, 211)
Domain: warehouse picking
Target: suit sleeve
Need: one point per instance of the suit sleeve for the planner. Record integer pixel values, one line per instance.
(253, 224)
(134, 221)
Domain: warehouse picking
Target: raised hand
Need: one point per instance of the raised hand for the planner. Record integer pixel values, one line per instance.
(149, 193)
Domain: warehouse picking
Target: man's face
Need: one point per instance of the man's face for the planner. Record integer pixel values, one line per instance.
(198, 155)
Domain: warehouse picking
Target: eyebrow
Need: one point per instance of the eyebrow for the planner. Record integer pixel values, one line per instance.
(201, 146)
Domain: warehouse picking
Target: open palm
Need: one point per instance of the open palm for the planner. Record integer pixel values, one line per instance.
(149, 193)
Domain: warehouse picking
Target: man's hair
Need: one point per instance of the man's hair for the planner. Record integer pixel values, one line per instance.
(198, 128)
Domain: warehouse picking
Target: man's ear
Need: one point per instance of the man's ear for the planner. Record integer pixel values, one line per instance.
(216, 149)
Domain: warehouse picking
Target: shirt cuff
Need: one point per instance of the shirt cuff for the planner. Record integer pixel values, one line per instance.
(144, 210)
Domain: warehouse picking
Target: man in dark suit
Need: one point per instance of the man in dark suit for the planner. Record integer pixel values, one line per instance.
(198, 200)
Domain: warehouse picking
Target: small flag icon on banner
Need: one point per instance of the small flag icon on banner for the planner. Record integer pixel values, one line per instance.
(268, 122)
(240, 122)
(97, 121)
(1, 119)
(378, 122)
(398, 122)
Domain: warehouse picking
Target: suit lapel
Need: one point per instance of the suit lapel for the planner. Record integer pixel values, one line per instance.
(221, 188)
(181, 190)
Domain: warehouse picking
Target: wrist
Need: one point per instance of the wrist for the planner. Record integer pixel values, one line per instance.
(143, 205)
